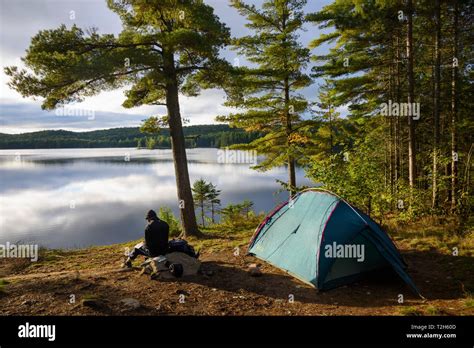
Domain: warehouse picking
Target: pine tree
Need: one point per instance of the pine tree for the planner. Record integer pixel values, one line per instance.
(201, 190)
(268, 91)
(214, 201)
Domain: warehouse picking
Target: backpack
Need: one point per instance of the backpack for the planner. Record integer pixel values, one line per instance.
(180, 245)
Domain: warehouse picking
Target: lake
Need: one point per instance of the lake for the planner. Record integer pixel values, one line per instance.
(69, 198)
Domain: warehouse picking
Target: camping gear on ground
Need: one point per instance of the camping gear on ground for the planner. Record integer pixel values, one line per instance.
(161, 264)
(181, 260)
(175, 269)
(154, 265)
(322, 240)
(182, 246)
(173, 265)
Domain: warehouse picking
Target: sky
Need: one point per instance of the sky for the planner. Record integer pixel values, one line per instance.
(22, 19)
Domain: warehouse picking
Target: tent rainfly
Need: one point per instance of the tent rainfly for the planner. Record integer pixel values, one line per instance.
(322, 240)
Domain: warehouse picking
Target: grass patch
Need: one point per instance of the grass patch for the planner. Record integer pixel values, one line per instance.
(469, 303)
(46, 255)
(14, 265)
(90, 297)
(432, 234)
(3, 284)
(432, 310)
(222, 237)
(411, 311)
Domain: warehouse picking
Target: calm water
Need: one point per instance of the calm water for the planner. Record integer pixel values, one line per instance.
(81, 197)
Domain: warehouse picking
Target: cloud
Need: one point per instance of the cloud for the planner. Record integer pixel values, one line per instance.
(22, 19)
(104, 111)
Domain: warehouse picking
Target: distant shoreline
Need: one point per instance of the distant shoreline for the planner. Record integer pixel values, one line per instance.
(96, 148)
(204, 136)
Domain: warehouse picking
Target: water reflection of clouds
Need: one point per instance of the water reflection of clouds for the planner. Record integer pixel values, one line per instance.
(98, 205)
(110, 200)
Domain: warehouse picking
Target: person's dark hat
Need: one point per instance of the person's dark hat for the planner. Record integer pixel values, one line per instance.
(150, 215)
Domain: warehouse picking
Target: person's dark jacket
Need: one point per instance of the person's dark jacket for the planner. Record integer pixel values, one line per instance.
(156, 237)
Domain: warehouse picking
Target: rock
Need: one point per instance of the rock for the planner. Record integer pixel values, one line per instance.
(190, 264)
(130, 304)
(254, 270)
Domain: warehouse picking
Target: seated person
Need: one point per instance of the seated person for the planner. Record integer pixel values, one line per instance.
(156, 239)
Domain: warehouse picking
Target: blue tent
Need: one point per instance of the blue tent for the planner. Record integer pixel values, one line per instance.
(322, 240)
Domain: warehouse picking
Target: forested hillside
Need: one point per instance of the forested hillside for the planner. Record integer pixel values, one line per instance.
(196, 136)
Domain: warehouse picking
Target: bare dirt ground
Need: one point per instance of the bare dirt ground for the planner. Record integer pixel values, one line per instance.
(90, 282)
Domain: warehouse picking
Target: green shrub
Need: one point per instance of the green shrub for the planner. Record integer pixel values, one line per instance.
(166, 214)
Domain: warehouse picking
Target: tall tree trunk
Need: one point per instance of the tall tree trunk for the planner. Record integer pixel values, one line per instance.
(212, 212)
(202, 213)
(390, 130)
(186, 203)
(436, 106)
(291, 160)
(331, 136)
(397, 124)
(454, 111)
(411, 97)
